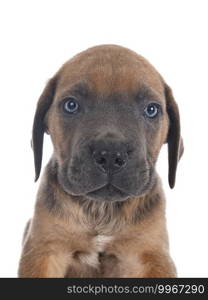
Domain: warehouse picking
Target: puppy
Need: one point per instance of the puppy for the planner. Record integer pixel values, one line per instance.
(100, 209)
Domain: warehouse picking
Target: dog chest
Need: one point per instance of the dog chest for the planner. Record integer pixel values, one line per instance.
(91, 256)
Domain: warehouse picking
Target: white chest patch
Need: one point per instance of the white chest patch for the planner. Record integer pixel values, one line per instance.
(100, 242)
(91, 256)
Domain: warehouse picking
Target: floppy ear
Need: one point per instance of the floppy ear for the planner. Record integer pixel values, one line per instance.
(39, 127)
(174, 140)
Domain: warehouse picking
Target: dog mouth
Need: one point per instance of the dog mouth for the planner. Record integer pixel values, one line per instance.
(108, 193)
(102, 188)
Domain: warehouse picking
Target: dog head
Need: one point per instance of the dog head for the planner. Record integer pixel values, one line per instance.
(108, 112)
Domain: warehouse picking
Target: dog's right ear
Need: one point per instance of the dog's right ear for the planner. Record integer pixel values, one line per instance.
(39, 127)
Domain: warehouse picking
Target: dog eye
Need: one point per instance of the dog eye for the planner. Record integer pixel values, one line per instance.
(71, 105)
(152, 110)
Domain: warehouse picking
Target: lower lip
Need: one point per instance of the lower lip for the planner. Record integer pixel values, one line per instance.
(113, 193)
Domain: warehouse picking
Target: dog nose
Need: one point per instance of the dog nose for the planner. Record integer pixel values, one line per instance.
(109, 161)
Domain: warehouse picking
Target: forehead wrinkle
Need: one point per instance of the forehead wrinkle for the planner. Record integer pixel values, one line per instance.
(79, 88)
(148, 92)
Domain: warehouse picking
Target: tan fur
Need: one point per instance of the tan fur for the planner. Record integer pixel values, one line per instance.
(66, 242)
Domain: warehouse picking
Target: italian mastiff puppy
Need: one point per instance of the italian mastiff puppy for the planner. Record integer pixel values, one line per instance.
(100, 209)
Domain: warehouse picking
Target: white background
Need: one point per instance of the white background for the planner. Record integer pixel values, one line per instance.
(38, 36)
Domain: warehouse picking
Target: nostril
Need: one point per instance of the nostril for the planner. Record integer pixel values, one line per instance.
(119, 162)
(101, 160)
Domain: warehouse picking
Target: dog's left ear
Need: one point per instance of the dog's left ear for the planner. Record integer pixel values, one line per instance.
(39, 126)
(174, 140)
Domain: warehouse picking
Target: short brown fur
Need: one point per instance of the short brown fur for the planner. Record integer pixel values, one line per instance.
(71, 236)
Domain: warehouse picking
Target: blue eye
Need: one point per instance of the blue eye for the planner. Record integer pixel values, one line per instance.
(71, 105)
(152, 110)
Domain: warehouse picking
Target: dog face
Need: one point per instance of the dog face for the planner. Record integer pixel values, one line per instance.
(108, 113)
